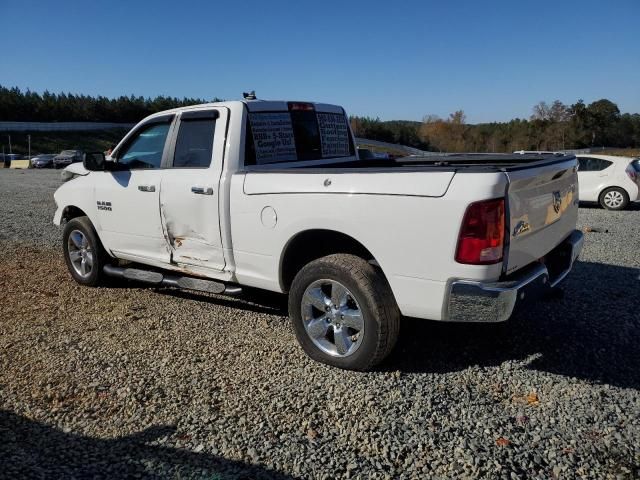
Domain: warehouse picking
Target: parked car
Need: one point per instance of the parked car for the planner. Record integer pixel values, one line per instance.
(43, 160)
(67, 157)
(611, 181)
(272, 195)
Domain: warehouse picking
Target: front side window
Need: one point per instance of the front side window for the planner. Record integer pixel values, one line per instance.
(145, 149)
(194, 144)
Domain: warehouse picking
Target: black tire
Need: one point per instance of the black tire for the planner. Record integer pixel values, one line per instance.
(99, 256)
(371, 291)
(618, 192)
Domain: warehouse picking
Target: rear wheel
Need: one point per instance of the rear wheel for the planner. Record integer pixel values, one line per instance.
(614, 198)
(343, 312)
(83, 252)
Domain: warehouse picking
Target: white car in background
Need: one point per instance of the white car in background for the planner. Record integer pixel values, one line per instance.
(611, 181)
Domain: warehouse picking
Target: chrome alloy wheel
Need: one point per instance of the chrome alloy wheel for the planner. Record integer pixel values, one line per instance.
(80, 253)
(613, 199)
(332, 318)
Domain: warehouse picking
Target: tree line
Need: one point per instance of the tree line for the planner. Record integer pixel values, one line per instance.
(28, 106)
(553, 126)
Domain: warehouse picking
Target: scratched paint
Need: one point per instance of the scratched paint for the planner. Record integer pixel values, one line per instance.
(186, 244)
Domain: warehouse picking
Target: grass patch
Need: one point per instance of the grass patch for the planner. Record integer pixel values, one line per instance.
(622, 152)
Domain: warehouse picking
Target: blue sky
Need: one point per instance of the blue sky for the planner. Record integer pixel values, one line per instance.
(394, 60)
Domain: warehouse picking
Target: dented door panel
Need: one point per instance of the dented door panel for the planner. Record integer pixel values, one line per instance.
(189, 203)
(190, 221)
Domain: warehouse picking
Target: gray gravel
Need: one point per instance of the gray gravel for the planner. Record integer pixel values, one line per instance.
(132, 381)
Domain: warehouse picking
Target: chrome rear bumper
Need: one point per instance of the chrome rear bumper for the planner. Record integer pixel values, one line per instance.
(472, 301)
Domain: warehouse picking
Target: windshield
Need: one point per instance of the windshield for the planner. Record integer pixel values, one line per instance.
(68, 152)
(296, 135)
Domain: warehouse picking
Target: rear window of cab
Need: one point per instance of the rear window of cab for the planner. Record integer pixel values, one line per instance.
(299, 134)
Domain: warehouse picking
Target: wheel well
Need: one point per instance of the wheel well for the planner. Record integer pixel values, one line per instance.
(72, 212)
(613, 187)
(313, 244)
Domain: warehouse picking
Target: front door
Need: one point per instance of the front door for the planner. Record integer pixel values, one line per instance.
(189, 192)
(128, 200)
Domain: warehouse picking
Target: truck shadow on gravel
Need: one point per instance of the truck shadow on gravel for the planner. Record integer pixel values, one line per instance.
(591, 332)
(31, 449)
(257, 301)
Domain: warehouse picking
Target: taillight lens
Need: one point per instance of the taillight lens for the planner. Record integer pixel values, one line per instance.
(481, 239)
(631, 172)
(301, 106)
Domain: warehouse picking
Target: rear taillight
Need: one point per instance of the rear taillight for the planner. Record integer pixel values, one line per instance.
(631, 172)
(481, 239)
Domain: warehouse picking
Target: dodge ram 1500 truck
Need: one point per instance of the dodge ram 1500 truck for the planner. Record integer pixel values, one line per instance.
(272, 195)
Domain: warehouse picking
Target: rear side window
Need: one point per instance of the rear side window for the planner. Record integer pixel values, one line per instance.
(298, 135)
(604, 164)
(194, 144)
(588, 164)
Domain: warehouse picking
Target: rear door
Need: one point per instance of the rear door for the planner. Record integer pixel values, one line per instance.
(189, 195)
(592, 174)
(542, 210)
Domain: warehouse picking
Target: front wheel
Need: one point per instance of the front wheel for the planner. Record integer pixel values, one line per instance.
(343, 312)
(614, 198)
(83, 252)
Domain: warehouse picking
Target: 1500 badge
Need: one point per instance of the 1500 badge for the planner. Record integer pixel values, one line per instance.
(102, 205)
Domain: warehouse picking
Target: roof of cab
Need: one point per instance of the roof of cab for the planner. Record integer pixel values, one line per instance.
(253, 106)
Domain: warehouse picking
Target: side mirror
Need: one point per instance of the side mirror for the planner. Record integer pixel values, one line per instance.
(94, 161)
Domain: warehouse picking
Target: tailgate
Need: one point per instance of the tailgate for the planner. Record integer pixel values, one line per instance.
(542, 210)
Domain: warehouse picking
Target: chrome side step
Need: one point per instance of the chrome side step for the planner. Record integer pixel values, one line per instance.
(157, 278)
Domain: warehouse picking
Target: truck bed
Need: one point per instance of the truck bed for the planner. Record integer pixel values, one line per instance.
(540, 189)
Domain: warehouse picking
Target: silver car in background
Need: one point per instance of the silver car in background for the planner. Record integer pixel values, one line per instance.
(66, 158)
(43, 160)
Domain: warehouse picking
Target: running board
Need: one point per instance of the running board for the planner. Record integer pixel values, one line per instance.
(157, 278)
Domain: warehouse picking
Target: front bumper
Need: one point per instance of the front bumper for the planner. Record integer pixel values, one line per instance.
(472, 301)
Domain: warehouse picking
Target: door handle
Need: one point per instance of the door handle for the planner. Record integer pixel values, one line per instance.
(202, 190)
(147, 188)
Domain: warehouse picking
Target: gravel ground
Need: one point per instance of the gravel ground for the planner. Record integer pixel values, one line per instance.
(143, 382)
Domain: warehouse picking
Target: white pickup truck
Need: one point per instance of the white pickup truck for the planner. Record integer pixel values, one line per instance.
(272, 195)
